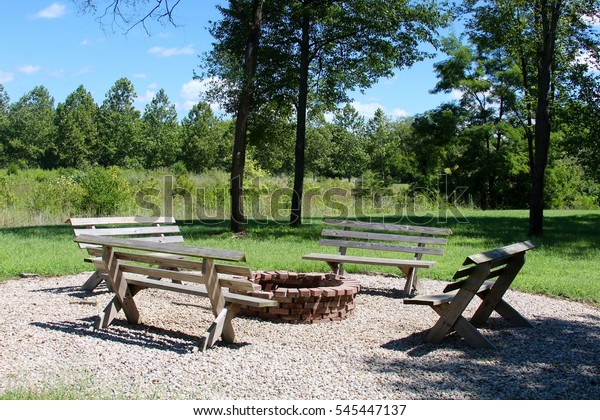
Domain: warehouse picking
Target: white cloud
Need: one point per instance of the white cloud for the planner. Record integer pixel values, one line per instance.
(54, 11)
(82, 71)
(29, 69)
(146, 97)
(455, 95)
(169, 52)
(399, 113)
(367, 110)
(192, 92)
(84, 43)
(6, 77)
(139, 76)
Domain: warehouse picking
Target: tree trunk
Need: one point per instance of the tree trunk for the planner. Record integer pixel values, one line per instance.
(296, 211)
(238, 220)
(550, 12)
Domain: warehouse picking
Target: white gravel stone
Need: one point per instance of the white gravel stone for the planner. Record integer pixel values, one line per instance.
(377, 353)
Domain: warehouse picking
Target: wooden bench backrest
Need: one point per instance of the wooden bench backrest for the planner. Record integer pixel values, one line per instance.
(155, 229)
(505, 261)
(416, 240)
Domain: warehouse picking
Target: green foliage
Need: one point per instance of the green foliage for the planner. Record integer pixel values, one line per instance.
(119, 127)
(76, 142)
(206, 142)
(160, 132)
(105, 191)
(30, 129)
(567, 188)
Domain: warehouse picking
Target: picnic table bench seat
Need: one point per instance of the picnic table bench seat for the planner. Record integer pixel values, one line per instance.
(402, 240)
(487, 275)
(153, 229)
(133, 265)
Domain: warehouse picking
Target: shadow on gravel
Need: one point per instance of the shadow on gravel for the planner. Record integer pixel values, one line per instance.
(140, 335)
(74, 291)
(557, 359)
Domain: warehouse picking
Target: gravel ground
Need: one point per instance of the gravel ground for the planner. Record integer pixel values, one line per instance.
(378, 353)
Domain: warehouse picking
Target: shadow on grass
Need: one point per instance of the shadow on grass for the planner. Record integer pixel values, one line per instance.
(557, 359)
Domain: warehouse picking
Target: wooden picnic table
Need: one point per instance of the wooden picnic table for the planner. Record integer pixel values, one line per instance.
(121, 258)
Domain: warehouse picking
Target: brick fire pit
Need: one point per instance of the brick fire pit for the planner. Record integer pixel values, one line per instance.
(304, 298)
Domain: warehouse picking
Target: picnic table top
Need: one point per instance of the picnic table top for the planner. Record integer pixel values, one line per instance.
(169, 248)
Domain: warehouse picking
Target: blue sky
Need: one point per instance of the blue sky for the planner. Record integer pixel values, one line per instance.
(51, 43)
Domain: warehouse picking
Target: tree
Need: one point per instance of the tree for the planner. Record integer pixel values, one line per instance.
(544, 38)
(234, 61)
(317, 50)
(76, 141)
(30, 131)
(4, 106)
(119, 127)
(202, 139)
(160, 132)
(488, 137)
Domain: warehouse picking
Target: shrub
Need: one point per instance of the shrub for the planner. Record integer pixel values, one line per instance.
(105, 191)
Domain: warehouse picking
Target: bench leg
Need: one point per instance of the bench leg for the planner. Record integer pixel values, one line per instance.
(463, 327)
(94, 280)
(506, 311)
(412, 285)
(115, 305)
(221, 327)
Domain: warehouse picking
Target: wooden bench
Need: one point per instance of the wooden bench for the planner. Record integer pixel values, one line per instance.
(402, 239)
(487, 275)
(156, 229)
(134, 265)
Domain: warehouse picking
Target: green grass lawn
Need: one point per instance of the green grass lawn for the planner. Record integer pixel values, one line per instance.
(566, 262)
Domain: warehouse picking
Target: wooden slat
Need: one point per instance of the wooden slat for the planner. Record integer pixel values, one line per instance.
(196, 290)
(165, 260)
(369, 260)
(500, 252)
(249, 300)
(431, 300)
(162, 247)
(458, 284)
(382, 246)
(157, 239)
(239, 284)
(233, 270)
(94, 221)
(195, 277)
(390, 227)
(137, 230)
(384, 236)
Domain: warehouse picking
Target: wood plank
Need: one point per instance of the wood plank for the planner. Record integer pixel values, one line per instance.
(234, 270)
(93, 221)
(136, 230)
(194, 277)
(431, 300)
(196, 290)
(249, 300)
(384, 236)
(165, 260)
(156, 239)
(369, 260)
(382, 247)
(391, 227)
(500, 252)
(239, 284)
(168, 248)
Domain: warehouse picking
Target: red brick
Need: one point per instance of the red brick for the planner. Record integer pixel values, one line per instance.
(279, 311)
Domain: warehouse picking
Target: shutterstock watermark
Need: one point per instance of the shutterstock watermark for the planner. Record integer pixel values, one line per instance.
(265, 204)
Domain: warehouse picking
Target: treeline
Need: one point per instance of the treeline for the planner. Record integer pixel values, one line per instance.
(447, 151)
